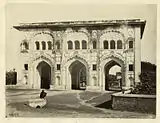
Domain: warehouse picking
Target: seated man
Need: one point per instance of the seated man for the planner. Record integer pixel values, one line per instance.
(43, 94)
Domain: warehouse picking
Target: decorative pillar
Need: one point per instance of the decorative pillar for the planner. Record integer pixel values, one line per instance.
(123, 71)
(89, 84)
(137, 58)
(30, 77)
(52, 78)
(126, 76)
(73, 42)
(63, 77)
(46, 45)
(90, 75)
(100, 78)
(80, 45)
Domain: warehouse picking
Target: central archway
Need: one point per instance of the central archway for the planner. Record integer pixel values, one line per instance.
(78, 75)
(111, 80)
(44, 71)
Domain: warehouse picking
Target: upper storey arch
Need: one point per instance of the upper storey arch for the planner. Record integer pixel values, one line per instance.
(75, 36)
(111, 36)
(43, 38)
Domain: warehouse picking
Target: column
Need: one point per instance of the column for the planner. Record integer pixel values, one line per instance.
(137, 59)
(125, 84)
(30, 77)
(89, 80)
(80, 44)
(46, 45)
(100, 78)
(63, 79)
(52, 77)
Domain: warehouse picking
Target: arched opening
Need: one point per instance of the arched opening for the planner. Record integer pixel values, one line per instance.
(43, 45)
(119, 44)
(113, 76)
(26, 45)
(70, 45)
(77, 45)
(94, 45)
(49, 45)
(84, 44)
(130, 44)
(44, 71)
(37, 45)
(112, 44)
(57, 45)
(78, 75)
(105, 44)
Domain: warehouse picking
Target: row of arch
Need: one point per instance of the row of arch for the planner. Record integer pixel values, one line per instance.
(77, 44)
(44, 45)
(106, 44)
(78, 74)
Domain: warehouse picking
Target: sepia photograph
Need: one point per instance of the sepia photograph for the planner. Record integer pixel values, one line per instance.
(80, 60)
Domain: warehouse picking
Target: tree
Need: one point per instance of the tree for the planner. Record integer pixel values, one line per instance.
(11, 77)
(147, 78)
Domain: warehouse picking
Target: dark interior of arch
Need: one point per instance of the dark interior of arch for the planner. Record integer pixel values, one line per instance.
(78, 75)
(44, 70)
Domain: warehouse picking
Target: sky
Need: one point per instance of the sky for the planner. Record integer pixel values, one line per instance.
(33, 12)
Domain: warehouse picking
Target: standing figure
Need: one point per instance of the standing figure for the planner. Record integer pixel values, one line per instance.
(43, 94)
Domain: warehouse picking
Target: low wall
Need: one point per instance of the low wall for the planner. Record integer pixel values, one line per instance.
(17, 87)
(134, 102)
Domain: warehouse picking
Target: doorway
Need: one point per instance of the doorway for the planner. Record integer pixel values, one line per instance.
(78, 75)
(44, 71)
(112, 71)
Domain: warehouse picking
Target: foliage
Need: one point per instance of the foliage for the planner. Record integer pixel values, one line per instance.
(112, 78)
(11, 78)
(146, 66)
(148, 80)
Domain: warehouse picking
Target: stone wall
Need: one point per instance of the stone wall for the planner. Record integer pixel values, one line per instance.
(133, 102)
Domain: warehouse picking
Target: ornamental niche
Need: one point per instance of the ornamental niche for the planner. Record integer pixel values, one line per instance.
(24, 46)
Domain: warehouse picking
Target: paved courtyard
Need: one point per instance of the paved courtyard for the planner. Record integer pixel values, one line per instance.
(72, 104)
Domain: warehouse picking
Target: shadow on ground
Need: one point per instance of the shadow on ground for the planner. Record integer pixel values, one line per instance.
(105, 105)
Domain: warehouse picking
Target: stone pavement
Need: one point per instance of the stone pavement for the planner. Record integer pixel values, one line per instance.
(82, 104)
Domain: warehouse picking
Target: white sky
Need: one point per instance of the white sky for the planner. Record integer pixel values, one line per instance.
(115, 69)
(17, 13)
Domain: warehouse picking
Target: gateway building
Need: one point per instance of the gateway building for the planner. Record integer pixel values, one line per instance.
(79, 54)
